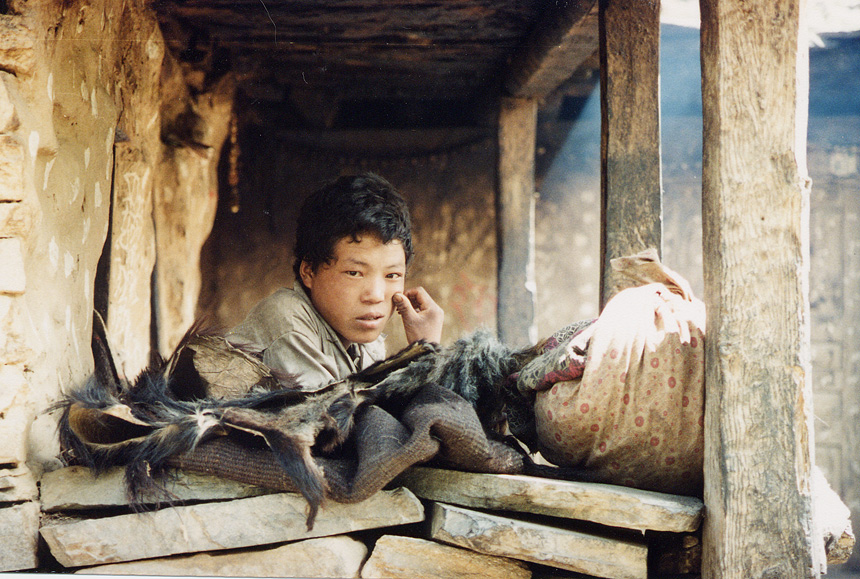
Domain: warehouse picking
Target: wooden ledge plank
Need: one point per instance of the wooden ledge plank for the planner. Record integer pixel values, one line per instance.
(611, 505)
(571, 550)
(225, 525)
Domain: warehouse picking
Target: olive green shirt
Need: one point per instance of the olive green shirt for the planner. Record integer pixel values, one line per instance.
(294, 338)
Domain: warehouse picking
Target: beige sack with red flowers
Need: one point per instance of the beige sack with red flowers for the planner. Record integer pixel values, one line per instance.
(635, 416)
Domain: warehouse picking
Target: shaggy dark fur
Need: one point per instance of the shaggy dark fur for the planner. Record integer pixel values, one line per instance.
(473, 367)
(167, 412)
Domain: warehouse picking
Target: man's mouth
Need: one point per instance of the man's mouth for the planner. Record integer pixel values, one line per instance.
(370, 318)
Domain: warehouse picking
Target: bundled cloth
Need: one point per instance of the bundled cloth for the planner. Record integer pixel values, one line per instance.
(623, 397)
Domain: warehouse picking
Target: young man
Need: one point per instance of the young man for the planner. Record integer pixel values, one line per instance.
(353, 245)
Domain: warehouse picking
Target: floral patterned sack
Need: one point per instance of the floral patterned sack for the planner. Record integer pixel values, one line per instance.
(635, 416)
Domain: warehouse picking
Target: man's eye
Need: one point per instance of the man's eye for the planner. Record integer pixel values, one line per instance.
(353, 273)
(394, 275)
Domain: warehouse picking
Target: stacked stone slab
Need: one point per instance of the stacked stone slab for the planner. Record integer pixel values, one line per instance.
(212, 525)
(221, 527)
(612, 545)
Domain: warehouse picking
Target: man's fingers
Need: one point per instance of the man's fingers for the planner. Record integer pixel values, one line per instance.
(403, 304)
(417, 297)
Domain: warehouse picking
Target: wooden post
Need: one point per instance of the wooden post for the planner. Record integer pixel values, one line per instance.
(758, 427)
(631, 176)
(516, 221)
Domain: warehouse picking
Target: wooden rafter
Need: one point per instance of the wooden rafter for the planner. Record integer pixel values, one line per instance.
(565, 37)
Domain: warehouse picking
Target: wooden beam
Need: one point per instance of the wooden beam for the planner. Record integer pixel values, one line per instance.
(758, 407)
(565, 37)
(631, 177)
(516, 221)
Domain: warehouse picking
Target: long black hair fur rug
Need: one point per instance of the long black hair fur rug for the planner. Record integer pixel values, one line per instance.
(172, 407)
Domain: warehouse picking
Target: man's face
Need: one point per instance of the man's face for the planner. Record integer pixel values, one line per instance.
(353, 292)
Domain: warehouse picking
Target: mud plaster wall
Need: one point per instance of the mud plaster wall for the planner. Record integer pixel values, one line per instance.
(80, 131)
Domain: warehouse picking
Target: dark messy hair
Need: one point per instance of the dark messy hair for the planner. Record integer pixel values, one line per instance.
(350, 206)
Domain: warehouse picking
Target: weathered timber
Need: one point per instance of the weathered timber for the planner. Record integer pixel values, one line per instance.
(571, 550)
(76, 488)
(405, 49)
(565, 37)
(758, 408)
(411, 558)
(516, 221)
(132, 257)
(240, 523)
(610, 505)
(383, 142)
(631, 176)
(339, 556)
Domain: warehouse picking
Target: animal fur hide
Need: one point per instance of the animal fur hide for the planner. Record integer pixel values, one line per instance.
(172, 410)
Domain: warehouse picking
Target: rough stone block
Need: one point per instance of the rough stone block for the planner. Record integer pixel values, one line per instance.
(16, 219)
(591, 554)
(19, 534)
(17, 44)
(13, 280)
(11, 168)
(13, 349)
(77, 488)
(16, 413)
(610, 505)
(214, 526)
(324, 557)
(17, 484)
(8, 117)
(410, 558)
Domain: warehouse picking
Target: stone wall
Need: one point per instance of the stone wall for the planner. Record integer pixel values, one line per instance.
(82, 166)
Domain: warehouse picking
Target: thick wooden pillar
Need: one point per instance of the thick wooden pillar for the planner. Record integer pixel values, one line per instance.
(516, 221)
(631, 176)
(758, 428)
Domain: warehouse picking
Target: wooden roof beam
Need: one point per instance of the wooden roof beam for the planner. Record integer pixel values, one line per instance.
(566, 36)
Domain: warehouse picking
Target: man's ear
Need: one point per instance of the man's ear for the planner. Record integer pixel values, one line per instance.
(306, 271)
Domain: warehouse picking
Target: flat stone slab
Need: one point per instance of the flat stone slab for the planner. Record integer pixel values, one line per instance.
(233, 524)
(610, 505)
(572, 550)
(77, 488)
(339, 556)
(17, 485)
(397, 557)
(19, 535)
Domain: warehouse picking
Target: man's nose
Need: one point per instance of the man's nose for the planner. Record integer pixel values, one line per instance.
(374, 290)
